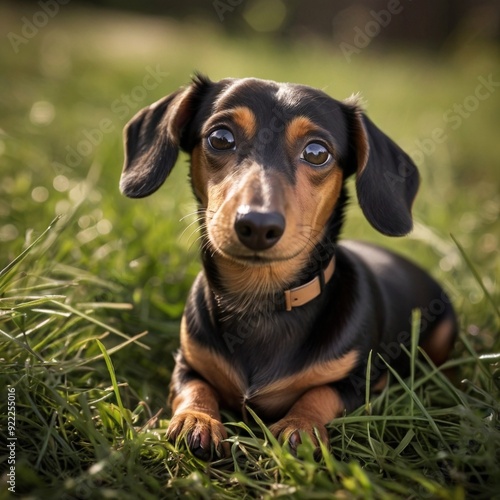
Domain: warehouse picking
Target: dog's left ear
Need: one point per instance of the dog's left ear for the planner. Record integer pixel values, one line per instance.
(153, 137)
(386, 178)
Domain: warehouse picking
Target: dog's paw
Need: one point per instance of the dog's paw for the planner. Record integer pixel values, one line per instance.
(289, 429)
(204, 435)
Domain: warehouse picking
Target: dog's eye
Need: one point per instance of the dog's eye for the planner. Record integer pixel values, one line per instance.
(221, 139)
(316, 154)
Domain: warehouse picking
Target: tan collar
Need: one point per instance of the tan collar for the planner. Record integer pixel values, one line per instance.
(296, 297)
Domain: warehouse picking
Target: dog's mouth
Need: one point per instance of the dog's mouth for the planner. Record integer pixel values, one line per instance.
(253, 260)
(257, 259)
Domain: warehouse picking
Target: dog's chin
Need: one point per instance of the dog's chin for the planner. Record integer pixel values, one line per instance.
(249, 260)
(255, 259)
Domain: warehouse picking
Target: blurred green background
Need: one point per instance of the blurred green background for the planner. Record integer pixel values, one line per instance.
(73, 73)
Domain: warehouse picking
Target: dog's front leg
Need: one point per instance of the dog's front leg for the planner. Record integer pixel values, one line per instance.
(196, 417)
(313, 410)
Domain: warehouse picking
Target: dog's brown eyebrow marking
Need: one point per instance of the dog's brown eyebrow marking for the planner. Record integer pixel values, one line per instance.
(245, 119)
(299, 127)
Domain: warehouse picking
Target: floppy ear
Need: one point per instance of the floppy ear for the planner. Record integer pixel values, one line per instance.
(386, 178)
(152, 139)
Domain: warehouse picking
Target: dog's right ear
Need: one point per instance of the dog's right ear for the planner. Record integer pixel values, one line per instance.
(386, 178)
(152, 139)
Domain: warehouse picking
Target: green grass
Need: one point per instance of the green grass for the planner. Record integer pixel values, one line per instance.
(89, 309)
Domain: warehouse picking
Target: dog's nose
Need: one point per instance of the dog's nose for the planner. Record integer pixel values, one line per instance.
(259, 230)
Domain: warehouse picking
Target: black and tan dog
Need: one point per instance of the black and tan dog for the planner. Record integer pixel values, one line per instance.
(282, 318)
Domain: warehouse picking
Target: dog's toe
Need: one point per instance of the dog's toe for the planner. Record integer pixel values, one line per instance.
(289, 430)
(203, 434)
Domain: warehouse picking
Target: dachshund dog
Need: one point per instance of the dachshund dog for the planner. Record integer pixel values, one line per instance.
(283, 318)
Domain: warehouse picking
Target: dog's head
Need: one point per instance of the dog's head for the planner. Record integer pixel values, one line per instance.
(268, 161)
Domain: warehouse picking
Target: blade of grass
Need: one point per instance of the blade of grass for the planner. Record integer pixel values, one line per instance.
(474, 272)
(47, 439)
(267, 433)
(73, 363)
(23, 345)
(131, 431)
(38, 302)
(417, 401)
(97, 322)
(410, 434)
(368, 383)
(415, 334)
(5, 271)
(440, 379)
(118, 306)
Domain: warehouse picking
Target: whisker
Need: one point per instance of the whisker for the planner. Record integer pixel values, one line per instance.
(199, 211)
(200, 219)
(200, 237)
(194, 235)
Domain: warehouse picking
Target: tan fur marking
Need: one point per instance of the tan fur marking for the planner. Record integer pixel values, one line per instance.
(317, 201)
(199, 175)
(297, 128)
(361, 140)
(281, 394)
(197, 395)
(316, 408)
(381, 383)
(245, 119)
(440, 342)
(213, 368)
(319, 404)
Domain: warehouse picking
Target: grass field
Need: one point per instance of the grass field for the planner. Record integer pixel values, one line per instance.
(93, 284)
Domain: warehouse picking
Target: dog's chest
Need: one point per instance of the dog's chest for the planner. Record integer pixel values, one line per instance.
(256, 368)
